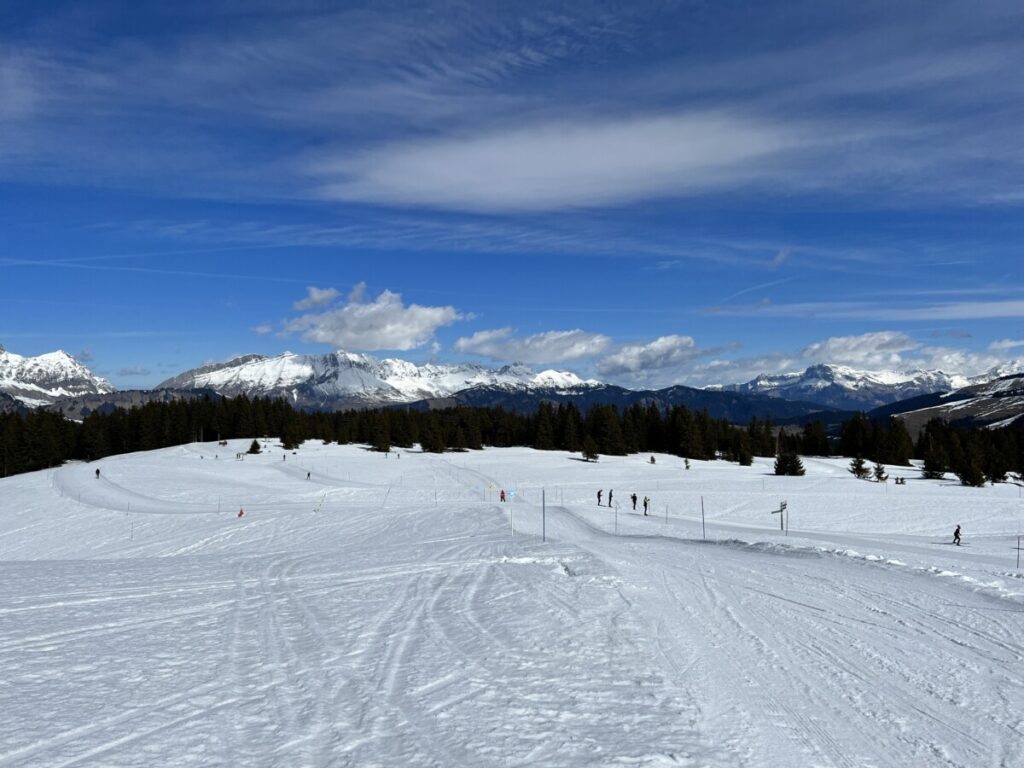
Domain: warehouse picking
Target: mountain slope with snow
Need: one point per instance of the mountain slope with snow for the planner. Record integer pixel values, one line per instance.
(346, 379)
(991, 403)
(842, 387)
(43, 379)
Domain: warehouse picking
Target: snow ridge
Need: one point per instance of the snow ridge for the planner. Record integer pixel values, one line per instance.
(352, 376)
(42, 379)
(841, 386)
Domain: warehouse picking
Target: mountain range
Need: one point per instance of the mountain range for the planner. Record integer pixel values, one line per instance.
(343, 380)
(347, 380)
(44, 379)
(838, 386)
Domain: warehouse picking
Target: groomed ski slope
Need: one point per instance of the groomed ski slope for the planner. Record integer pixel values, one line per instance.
(381, 613)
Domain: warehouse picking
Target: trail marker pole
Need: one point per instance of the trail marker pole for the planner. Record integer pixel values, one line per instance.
(543, 516)
(781, 512)
(703, 530)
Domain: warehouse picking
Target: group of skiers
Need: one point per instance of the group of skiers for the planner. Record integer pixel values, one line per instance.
(632, 498)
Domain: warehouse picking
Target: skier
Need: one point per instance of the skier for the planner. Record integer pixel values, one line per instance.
(956, 535)
(241, 513)
(632, 497)
(610, 492)
(502, 497)
(646, 502)
(599, 498)
(307, 475)
(97, 473)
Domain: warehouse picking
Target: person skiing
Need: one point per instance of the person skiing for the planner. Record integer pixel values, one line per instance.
(97, 473)
(956, 535)
(610, 493)
(502, 496)
(646, 502)
(632, 497)
(241, 513)
(307, 475)
(599, 498)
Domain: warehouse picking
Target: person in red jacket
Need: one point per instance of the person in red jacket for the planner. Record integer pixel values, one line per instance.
(502, 494)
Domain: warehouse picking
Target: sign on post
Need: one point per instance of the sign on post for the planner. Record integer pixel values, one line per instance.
(781, 512)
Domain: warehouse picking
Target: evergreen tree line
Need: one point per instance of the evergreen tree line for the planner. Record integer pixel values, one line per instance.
(41, 438)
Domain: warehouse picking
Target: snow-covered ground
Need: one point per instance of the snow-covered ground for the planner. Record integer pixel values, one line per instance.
(383, 613)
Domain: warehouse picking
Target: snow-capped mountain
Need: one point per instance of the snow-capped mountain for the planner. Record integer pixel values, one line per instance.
(839, 386)
(43, 379)
(347, 379)
(993, 403)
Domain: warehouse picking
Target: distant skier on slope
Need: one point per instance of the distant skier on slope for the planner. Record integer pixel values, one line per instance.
(610, 494)
(632, 497)
(97, 473)
(502, 496)
(307, 475)
(646, 502)
(241, 513)
(956, 535)
(599, 497)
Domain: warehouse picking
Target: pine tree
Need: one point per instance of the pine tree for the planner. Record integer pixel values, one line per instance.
(858, 468)
(970, 471)
(936, 462)
(254, 447)
(788, 463)
(879, 472)
(589, 449)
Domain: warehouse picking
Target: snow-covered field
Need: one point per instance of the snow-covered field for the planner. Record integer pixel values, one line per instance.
(383, 613)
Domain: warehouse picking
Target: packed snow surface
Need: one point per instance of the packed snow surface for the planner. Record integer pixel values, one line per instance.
(383, 612)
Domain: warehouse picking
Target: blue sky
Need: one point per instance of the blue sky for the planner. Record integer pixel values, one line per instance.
(645, 193)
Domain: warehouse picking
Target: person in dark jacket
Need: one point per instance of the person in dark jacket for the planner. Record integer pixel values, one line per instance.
(599, 494)
(956, 536)
(633, 499)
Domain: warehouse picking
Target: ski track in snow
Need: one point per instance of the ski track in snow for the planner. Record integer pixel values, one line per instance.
(360, 622)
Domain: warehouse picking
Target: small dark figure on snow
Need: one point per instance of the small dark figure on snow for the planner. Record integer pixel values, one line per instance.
(599, 497)
(646, 502)
(610, 492)
(241, 513)
(956, 536)
(502, 496)
(632, 498)
(97, 473)
(307, 475)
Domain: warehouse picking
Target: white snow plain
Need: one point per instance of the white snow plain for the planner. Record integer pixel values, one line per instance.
(382, 613)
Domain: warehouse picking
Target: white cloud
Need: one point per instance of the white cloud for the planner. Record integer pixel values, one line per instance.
(263, 329)
(546, 347)
(586, 162)
(883, 349)
(1005, 344)
(663, 352)
(317, 297)
(383, 323)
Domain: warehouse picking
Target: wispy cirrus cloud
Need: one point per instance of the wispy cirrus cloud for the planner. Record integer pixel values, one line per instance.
(857, 310)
